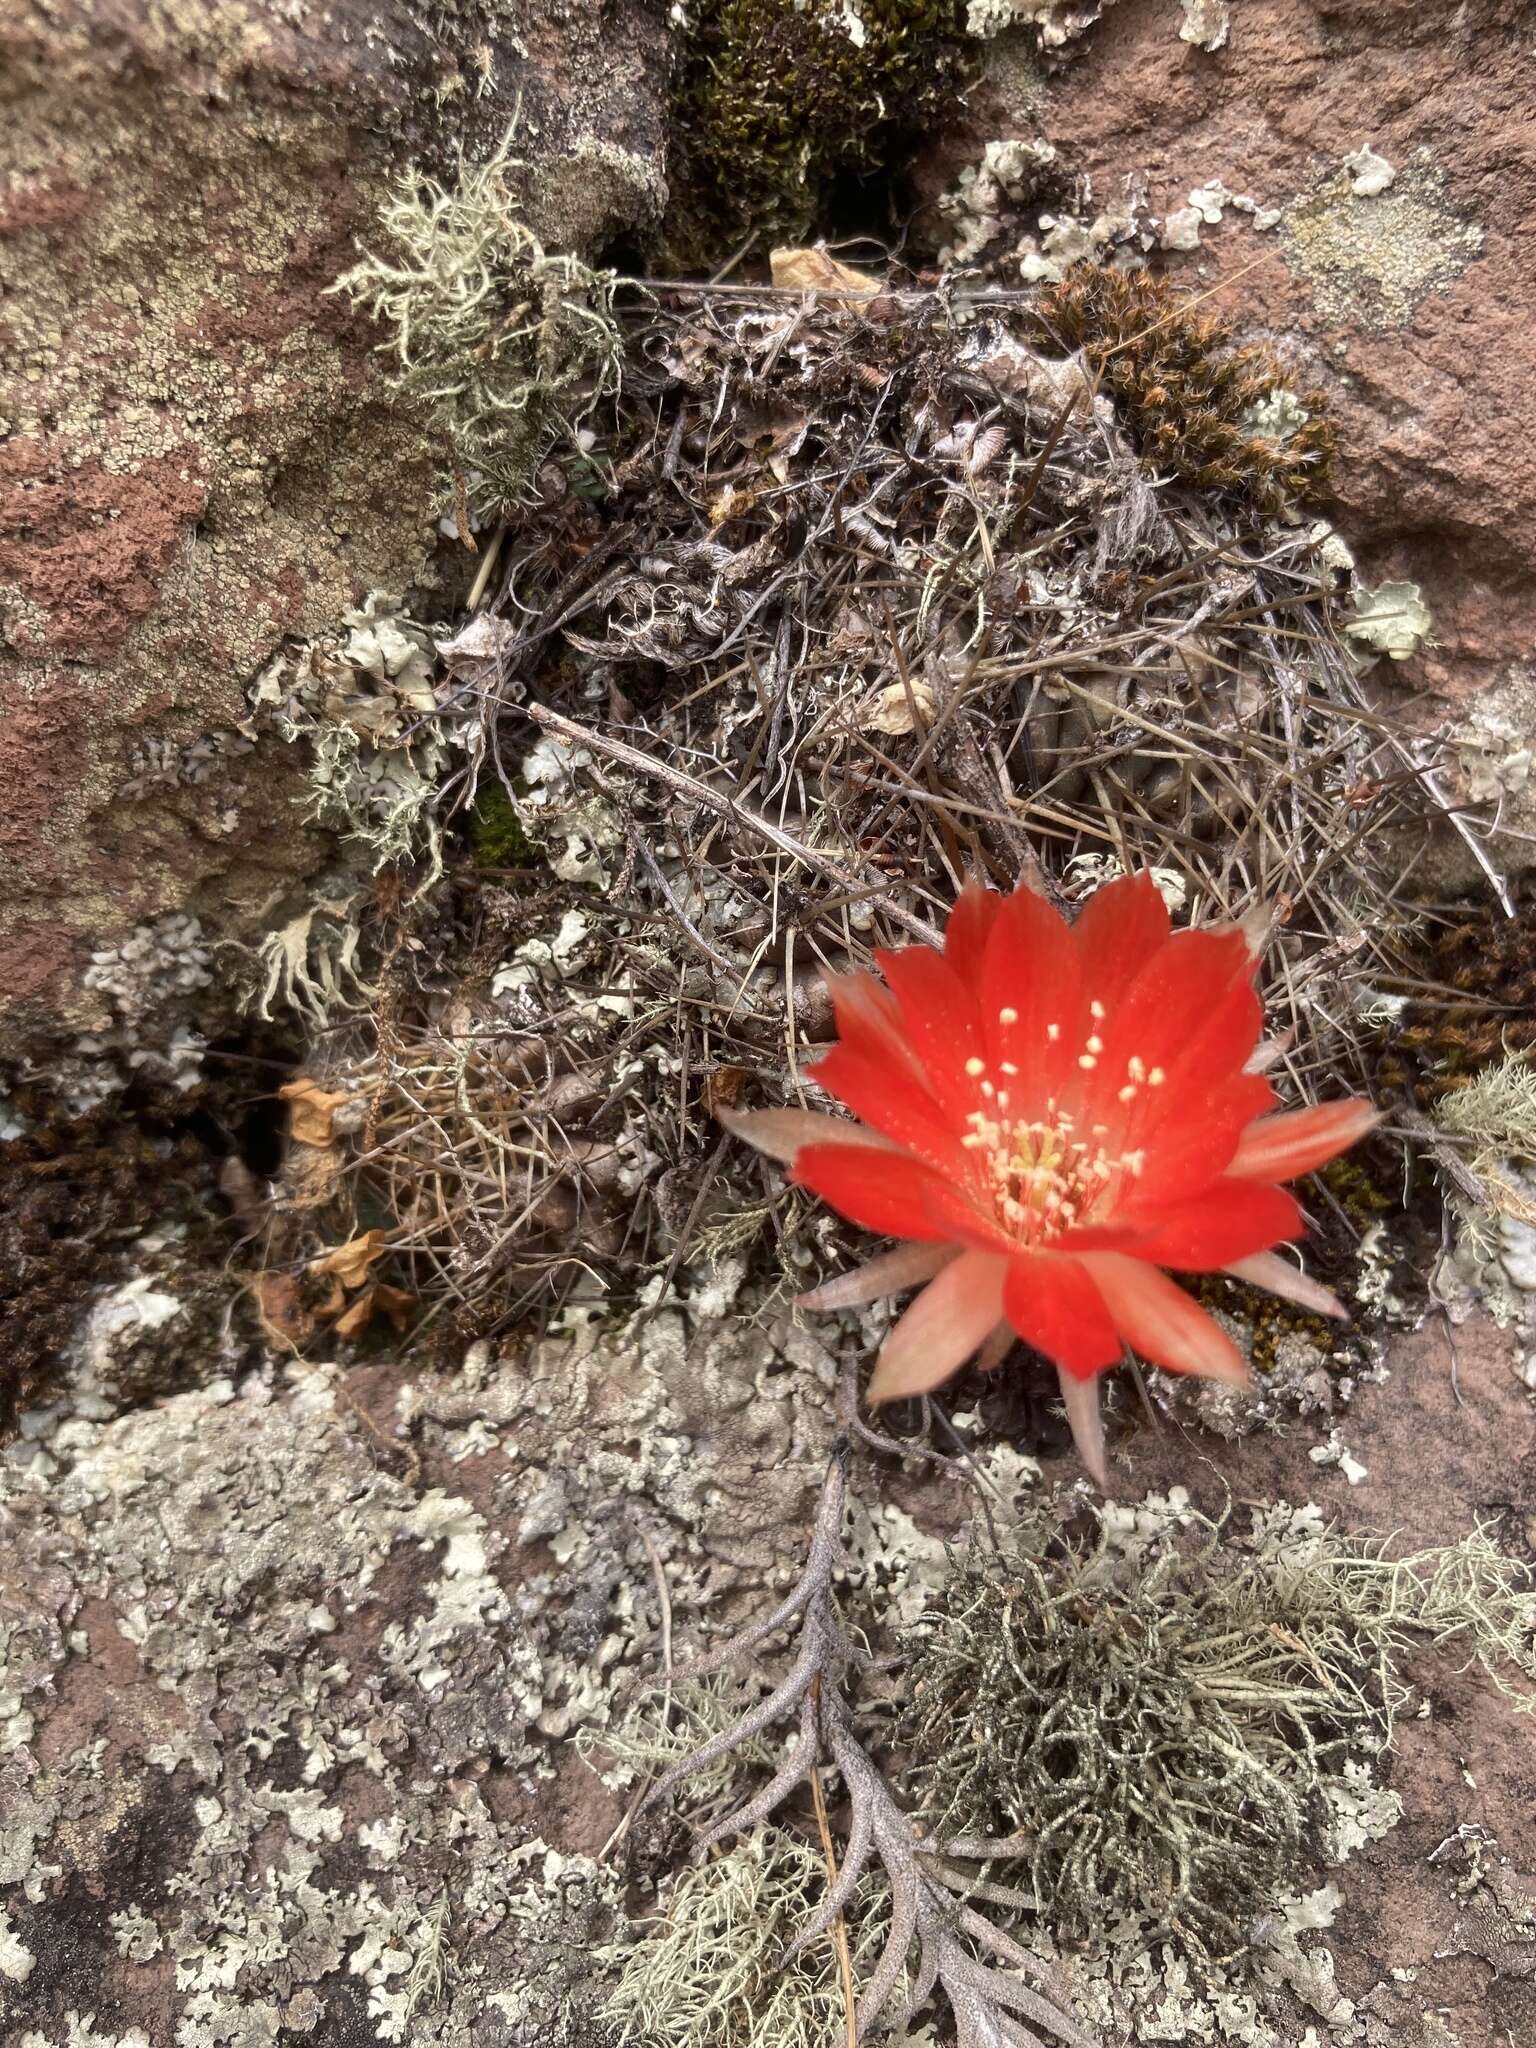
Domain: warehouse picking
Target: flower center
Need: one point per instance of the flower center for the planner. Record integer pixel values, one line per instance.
(1044, 1176)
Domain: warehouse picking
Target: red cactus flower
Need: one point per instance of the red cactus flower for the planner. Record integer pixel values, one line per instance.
(1050, 1114)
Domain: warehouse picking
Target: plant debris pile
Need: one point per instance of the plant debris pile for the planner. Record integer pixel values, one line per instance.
(877, 594)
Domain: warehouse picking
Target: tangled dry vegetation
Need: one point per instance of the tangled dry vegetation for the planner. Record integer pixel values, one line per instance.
(879, 588)
(1144, 1731)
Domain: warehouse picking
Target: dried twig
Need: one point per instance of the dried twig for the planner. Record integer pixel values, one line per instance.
(982, 1976)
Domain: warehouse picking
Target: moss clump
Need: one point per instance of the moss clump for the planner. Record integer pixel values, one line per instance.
(1223, 417)
(1272, 1321)
(504, 346)
(1170, 1726)
(496, 835)
(1479, 999)
(775, 99)
(1363, 1196)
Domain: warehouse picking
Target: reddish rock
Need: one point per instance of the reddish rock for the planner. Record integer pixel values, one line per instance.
(199, 454)
(1416, 307)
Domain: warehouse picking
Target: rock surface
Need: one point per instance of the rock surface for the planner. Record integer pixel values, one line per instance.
(290, 1667)
(1404, 287)
(199, 457)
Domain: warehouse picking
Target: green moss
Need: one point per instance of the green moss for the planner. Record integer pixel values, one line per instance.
(774, 100)
(496, 835)
(1224, 417)
(1361, 1193)
(1271, 1320)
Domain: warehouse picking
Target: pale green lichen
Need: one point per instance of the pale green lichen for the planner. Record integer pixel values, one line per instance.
(504, 346)
(1167, 1726)
(1392, 619)
(709, 1971)
(1495, 1112)
(1370, 257)
(311, 1739)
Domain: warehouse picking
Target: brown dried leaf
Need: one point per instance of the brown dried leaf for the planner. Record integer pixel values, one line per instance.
(311, 1109)
(813, 270)
(902, 708)
(723, 1089)
(393, 1302)
(351, 1261)
(283, 1317)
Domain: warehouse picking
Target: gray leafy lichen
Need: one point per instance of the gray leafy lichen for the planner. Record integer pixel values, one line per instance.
(314, 1697)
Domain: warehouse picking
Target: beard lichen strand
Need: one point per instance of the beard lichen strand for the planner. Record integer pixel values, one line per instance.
(1039, 1178)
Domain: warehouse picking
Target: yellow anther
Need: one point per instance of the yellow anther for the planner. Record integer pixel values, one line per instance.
(974, 1066)
(1129, 1092)
(1096, 1010)
(1156, 1078)
(1007, 1014)
(1086, 1060)
(1095, 1044)
(1053, 1032)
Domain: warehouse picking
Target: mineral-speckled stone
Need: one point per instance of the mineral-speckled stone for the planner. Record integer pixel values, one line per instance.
(197, 454)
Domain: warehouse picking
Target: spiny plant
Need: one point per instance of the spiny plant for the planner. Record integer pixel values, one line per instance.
(503, 345)
(1224, 417)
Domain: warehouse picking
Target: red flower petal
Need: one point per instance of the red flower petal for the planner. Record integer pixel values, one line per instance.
(888, 1102)
(1031, 988)
(884, 1191)
(1052, 1302)
(969, 927)
(938, 1015)
(935, 1336)
(1186, 1151)
(951, 1210)
(781, 1133)
(869, 1023)
(1278, 1276)
(889, 1273)
(1159, 1320)
(1191, 1018)
(1229, 1220)
(1119, 930)
(1281, 1147)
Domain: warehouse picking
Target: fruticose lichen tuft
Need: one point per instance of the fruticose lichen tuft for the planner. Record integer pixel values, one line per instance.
(710, 1970)
(1168, 1730)
(501, 343)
